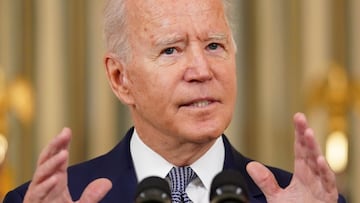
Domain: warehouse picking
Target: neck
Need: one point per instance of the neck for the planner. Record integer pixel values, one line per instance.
(177, 151)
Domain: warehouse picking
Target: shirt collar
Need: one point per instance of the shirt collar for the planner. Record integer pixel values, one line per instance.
(148, 163)
(211, 163)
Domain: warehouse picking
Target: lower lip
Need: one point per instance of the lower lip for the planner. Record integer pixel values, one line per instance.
(210, 104)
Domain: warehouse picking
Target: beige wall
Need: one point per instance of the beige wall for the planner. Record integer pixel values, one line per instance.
(284, 48)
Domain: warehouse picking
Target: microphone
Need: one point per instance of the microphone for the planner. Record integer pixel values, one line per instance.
(228, 186)
(153, 190)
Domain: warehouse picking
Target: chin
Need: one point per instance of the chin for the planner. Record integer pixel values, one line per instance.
(202, 131)
(203, 135)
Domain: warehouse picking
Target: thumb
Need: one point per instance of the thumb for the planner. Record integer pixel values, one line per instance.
(95, 191)
(263, 178)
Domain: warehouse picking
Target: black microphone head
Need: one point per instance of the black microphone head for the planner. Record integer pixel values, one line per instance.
(228, 186)
(153, 190)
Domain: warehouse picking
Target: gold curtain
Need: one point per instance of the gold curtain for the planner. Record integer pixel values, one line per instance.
(51, 57)
(51, 51)
(298, 55)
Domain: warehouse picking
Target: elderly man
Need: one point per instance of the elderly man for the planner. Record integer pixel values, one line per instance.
(173, 64)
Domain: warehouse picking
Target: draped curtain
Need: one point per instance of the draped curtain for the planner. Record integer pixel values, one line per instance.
(51, 59)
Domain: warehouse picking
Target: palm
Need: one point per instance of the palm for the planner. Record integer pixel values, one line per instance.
(313, 180)
(49, 183)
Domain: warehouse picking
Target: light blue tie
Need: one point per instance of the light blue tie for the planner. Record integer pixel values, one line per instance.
(180, 177)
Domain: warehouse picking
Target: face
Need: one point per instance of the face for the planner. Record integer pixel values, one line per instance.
(181, 79)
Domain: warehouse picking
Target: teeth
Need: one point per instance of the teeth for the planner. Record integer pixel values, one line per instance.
(200, 104)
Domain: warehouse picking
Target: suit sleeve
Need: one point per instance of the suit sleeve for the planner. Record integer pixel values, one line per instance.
(17, 195)
(13, 197)
(341, 199)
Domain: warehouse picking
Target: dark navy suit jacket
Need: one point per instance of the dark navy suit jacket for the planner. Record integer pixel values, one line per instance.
(117, 166)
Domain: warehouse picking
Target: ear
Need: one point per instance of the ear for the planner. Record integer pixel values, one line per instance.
(118, 78)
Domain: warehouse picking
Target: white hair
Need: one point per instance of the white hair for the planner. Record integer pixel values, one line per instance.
(115, 27)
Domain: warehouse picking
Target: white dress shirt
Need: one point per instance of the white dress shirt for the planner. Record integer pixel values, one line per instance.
(149, 163)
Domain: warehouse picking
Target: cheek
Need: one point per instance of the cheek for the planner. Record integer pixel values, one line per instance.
(228, 80)
(232, 82)
(151, 90)
(228, 75)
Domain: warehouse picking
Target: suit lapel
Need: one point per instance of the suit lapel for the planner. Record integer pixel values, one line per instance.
(236, 161)
(121, 172)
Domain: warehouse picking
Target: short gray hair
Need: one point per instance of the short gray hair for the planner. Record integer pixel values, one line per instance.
(115, 28)
(116, 32)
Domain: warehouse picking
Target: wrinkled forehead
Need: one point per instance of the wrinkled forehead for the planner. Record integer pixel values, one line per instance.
(146, 11)
(186, 6)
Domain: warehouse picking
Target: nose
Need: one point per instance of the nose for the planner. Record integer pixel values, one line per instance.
(198, 67)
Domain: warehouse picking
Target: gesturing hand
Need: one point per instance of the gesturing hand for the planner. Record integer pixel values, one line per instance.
(313, 180)
(49, 182)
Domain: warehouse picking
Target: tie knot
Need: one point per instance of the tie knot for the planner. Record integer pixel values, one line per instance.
(180, 177)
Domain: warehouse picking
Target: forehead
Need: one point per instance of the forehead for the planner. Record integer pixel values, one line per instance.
(164, 13)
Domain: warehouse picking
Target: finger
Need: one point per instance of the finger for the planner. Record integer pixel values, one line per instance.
(56, 164)
(61, 141)
(38, 192)
(95, 191)
(300, 123)
(309, 159)
(300, 128)
(328, 178)
(307, 150)
(306, 165)
(263, 178)
(305, 142)
(313, 151)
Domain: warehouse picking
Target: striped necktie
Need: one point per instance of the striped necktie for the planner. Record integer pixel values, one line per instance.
(180, 177)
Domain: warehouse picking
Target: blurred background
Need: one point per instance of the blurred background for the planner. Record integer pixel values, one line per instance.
(293, 55)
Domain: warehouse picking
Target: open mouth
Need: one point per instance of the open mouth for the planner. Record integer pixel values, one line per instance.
(199, 103)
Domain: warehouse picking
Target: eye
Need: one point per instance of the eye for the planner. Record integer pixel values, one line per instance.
(168, 51)
(213, 46)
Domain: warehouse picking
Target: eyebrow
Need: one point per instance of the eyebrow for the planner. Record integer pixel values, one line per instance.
(217, 37)
(175, 38)
(169, 39)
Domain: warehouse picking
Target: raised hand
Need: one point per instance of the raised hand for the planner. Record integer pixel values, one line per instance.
(49, 182)
(313, 180)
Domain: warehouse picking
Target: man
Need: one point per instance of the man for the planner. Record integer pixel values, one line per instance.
(173, 64)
